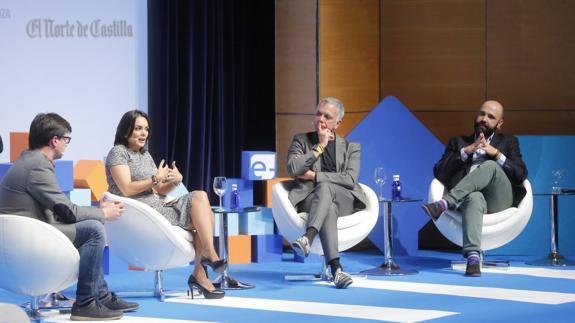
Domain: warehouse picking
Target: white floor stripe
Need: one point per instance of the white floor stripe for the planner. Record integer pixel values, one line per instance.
(326, 309)
(529, 271)
(517, 295)
(58, 318)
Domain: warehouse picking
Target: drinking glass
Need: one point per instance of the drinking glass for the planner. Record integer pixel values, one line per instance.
(379, 176)
(558, 176)
(220, 186)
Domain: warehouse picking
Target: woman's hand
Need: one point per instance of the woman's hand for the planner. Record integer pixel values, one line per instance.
(162, 172)
(174, 175)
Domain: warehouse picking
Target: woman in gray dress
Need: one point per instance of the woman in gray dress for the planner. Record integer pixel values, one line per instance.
(132, 172)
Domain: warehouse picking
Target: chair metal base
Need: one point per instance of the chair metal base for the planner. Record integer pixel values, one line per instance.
(553, 259)
(49, 303)
(324, 275)
(318, 277)
(389, 269)
(306, 277)
(57, 301)
(158, 292)
(226, 282)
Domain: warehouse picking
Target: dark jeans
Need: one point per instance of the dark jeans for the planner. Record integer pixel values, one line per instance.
(90, 241)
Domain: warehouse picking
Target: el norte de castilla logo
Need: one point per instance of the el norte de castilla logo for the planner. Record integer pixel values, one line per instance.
(49, 28)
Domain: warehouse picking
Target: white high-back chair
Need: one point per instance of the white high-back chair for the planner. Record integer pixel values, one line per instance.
(498, 228)
(352, 228)
(144, 238)
(35, 259)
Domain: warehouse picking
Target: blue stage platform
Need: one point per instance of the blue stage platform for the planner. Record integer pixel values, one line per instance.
(437, 293)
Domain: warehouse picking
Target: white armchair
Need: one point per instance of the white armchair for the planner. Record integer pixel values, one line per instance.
(498, 228)
(144, 238)
(352, 229)
(35, 259)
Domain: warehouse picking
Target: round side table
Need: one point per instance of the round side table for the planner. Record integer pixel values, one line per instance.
(554, 258)
(225, 280)
(389, 267)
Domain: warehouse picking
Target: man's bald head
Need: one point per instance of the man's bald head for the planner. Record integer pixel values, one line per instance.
(489, 118)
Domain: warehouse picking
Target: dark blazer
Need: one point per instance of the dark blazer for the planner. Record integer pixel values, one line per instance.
(450, 169)
(301, 159)
(30, 188)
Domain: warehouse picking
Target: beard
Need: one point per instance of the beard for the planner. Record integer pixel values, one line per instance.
(483, 127)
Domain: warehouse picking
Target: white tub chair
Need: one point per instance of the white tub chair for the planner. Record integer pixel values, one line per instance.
(35, 259)
(142, 237)
(352, 229)
(498, 228)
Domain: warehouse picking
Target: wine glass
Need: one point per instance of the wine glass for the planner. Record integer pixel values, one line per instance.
(220, 186)
(558, 176)
(379, 176)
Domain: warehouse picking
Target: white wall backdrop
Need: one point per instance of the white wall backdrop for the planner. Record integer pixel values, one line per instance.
(85, 60)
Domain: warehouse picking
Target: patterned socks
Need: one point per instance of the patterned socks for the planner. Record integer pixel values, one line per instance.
(442, 205)
(473, 254)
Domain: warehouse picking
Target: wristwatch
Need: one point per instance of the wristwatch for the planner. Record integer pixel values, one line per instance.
(318, 148)
(154, 181)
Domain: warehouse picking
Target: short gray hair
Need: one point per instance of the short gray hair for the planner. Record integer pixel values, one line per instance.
(333, 101)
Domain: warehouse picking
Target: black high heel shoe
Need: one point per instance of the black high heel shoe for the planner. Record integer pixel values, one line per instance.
(218, 266)
(213, 294)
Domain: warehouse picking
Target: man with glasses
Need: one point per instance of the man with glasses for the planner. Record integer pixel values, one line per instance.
(30, 189)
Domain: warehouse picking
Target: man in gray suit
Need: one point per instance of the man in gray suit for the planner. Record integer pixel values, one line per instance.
(326, 168)
(30, 189)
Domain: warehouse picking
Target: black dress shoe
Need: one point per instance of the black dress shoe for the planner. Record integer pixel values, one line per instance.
(208, 294)
(113, 302)
(218, 266)
(94, 311)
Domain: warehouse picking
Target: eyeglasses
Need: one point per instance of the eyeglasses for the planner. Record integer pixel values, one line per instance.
(66, 138)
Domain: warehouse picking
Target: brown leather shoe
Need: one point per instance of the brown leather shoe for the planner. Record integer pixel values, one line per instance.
(433, 210)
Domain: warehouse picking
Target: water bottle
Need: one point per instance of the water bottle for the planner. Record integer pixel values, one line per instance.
(235, 197)
(396, 188)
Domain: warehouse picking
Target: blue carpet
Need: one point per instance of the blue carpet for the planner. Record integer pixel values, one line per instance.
(362, 298)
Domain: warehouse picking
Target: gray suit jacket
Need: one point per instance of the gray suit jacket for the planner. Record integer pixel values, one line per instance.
(30, 188)
(301, 159)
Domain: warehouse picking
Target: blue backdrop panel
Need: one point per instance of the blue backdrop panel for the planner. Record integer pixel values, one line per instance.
(4, 167)
(258, 165)
(81, 196)
(266, 248)
(392, 137)
(257, 223)
(544, 154)
(65, 174)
